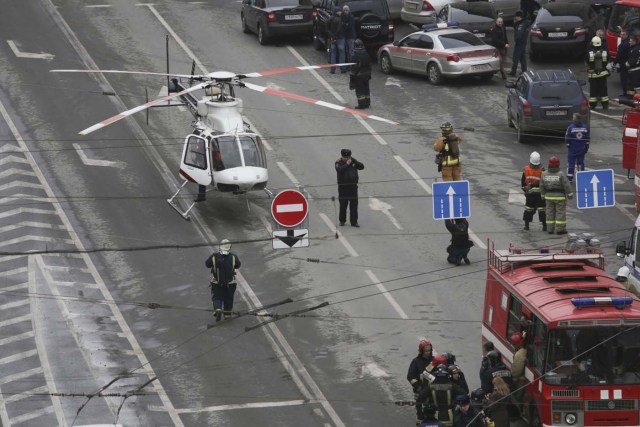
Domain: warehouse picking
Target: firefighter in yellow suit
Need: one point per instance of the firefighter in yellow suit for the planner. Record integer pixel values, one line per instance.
(448, 158)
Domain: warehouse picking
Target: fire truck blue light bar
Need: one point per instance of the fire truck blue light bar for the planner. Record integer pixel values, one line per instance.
(619, 302)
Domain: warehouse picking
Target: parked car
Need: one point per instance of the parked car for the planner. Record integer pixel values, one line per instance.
(475, 17)
(422, 11)
(394, 8)
(508, 8)
(562, 28)
(272, 18)
(374, 25)
(544, 101)
(440, 52)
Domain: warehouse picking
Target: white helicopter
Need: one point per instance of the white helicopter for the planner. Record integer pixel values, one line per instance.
(221, 150)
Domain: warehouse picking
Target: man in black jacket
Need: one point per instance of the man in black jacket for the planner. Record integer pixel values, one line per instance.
(347, 169)
(500, 41)
(520, 37)
(360, 75)
(621, 60)
(460, 243)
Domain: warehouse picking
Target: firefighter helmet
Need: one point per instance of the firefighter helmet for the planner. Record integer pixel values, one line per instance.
(494, 357)
(534, 159)
(438, 360)
(451, 358)
(225, 246)
(423, 344)
(446, 127)
(454, 369)
(554, 162)
(596, 41)
(517, 340)
(442, 372)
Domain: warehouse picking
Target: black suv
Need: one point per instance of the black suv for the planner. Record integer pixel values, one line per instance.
(374, 25)
(544, 101)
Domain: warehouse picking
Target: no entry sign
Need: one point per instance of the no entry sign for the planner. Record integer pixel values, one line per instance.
(289, 208)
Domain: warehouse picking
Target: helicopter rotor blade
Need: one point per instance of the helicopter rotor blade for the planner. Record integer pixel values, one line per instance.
(316, 102)
(186, 76)
(127, 113)
(290, 69)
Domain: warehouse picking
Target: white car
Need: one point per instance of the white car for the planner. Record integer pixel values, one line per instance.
(422, 11)
(440, 51)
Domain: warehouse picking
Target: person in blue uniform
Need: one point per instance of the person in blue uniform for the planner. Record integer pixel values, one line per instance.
(577, 141)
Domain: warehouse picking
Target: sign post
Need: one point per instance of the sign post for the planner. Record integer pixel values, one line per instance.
(289, 209)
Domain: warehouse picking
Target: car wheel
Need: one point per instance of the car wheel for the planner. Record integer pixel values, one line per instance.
(433, 74)
(385, 63)
(317, 44)
(245, 29)
(262, 37)
(521, 135)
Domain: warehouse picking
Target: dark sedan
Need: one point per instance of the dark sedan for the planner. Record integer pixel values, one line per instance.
(564, 27)
(272, 18)
(475, 17)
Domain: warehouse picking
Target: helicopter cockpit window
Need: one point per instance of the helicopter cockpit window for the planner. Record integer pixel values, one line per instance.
(196, 153)
(252, 151)
(229, 151)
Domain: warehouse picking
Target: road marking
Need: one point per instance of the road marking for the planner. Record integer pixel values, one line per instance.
(288, 173)
(91, 162)
(374, 370)
(341, 238)
(413, 174)
(379, 205)
(28, 55)
(386, 294)
(96, 6)
(516, 197)
(235, 406)
(392, 81)
(606, 115)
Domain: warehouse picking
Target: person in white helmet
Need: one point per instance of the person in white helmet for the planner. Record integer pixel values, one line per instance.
(597, 60)
(530, 183)
(223, 265)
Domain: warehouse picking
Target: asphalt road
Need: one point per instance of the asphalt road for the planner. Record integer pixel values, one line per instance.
(74, 322)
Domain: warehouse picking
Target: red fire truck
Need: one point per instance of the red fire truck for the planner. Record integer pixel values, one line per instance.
(630, 137)
(582, 334)
(624, 14)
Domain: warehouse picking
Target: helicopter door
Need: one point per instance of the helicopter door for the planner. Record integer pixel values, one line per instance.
(195, 162)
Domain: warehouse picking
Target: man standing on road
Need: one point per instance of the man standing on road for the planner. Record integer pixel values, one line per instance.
(621, 60)
(223, 265)
(530, 183)
(349, 28)
(577, 141)
(335, 33)
(520, 37)
(360, 75)
(347, 168)
(414, 374)
(448, 158)
(500, 41)
(555, 189)
(597, 60)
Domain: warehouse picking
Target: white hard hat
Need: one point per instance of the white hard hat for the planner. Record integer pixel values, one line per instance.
(596, 41)
(225, 246)
(534, 159)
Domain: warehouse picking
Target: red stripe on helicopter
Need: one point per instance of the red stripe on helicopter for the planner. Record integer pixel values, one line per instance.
(186, 176)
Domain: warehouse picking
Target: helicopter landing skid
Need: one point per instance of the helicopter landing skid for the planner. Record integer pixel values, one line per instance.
(173, 204)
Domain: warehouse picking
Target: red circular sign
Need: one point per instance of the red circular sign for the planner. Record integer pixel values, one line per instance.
(289, 208)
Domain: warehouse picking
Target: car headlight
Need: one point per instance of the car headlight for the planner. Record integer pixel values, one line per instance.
(570, 418)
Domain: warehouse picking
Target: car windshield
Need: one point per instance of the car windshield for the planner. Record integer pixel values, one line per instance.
(591, 356)
(468, 14)
(458, 40)
(553, 90)
(623, 16)
(280, 3)
(562, 13)
(360, 7)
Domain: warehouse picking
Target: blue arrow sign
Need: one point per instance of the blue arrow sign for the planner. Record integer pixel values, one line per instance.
(595, 189)
(451, 199)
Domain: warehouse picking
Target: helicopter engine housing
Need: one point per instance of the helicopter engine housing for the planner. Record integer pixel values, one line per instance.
(222, 116)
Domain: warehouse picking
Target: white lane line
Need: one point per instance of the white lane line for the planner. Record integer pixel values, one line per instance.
(606, 115)
(91, 162)
(235, 406)
(40, 340)
(28, 55)
(96, 6)
(344, 242)
(379, 205)
(288, 173)
(374, 370)
(387, 295)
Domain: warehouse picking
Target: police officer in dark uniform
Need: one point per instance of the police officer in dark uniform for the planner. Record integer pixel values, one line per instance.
(520, 37)
(496, 369)
(360, 75)
(223, 265)
(347, 168)
(460, 243)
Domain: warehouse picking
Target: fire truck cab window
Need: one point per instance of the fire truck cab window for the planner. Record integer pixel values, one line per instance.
(537, 348)
(515, 313)
(593, 356)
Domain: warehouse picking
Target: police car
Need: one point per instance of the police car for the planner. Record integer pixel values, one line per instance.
(440, 51)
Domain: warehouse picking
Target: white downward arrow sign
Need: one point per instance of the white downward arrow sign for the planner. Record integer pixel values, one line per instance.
(594, 187)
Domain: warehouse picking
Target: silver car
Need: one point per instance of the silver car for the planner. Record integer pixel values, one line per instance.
(422, 11)
(440, 51)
